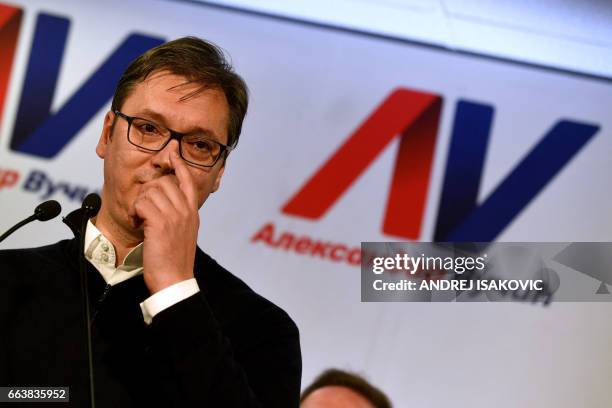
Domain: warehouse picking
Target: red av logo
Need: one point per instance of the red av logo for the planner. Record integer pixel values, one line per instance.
(414, 117)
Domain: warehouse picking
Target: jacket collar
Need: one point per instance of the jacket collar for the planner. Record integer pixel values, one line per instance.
(75, 221)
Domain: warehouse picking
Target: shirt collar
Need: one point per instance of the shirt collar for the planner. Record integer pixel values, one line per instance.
(91, 234)
(101, 253)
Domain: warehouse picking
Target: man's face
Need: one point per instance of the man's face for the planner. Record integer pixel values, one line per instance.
(127, 168)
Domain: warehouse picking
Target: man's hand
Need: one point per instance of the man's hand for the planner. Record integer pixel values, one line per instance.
(168, 207)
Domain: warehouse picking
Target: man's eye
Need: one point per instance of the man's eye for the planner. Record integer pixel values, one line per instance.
(149, 128)
(202, 145)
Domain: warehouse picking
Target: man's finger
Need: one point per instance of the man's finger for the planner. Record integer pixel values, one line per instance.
(158, 197)
(186, 182)
(145, 209)
(168, 185)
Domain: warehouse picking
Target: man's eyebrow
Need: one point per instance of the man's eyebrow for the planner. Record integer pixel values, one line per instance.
(147, 113)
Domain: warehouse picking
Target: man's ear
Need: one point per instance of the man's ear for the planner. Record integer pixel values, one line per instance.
(105, 136)
(217, 181)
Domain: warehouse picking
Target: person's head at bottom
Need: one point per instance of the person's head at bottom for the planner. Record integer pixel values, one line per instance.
(340, 389)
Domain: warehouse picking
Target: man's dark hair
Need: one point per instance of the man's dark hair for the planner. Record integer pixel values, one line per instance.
(197, 60)
(335, 377)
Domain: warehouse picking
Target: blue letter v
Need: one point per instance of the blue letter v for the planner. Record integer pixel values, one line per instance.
(39, 132)
(459, 216)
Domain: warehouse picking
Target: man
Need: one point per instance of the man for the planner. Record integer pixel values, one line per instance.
(340, 389)
(169, 326)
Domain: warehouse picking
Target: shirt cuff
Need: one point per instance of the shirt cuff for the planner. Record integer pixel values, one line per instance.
(168, 297)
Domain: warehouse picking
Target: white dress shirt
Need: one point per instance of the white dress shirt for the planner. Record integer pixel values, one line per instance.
(101, 253)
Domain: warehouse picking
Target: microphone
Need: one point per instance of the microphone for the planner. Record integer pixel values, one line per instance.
(77, 222)
(43, 212)
(91, 205)
(47, 210)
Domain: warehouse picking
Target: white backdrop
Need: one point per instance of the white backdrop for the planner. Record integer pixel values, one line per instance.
(311, 87)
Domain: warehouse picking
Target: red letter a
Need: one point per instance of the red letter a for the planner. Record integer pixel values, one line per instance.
(410, 114)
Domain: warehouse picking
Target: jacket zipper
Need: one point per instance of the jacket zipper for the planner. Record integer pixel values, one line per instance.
(107, 289)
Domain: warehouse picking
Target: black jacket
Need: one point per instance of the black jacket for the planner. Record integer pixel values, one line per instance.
(225, 346)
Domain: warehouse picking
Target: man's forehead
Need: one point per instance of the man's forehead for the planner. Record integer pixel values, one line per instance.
(173, 84)
(169, 99)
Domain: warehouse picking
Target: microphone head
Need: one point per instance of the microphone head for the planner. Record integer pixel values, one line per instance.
(47, 210)
(92, 204)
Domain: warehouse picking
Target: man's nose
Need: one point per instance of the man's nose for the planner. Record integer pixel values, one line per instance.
(161, 159)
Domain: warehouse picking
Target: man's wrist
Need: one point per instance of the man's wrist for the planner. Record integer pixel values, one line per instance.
(167, 297)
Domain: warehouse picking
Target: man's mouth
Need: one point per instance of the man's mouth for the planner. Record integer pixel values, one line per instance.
(136, 221)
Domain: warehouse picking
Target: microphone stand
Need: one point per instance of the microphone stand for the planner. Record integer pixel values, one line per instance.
(86, 311)
(43, 212)
(17, 226)
(89, 208)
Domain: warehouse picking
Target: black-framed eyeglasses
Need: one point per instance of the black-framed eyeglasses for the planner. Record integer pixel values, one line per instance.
(194, 148)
